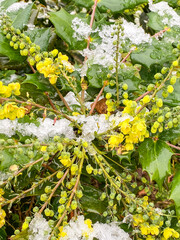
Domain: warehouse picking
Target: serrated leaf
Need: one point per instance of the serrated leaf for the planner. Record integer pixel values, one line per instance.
(62, 21)
(175, 191)
(119, 5)
(171, 134)
(40, 37)
(159, 52)
(155, 158)
(21, 16)
(96, 75)
(37, 80)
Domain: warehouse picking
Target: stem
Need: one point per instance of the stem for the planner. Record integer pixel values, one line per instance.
(71, 196)
(158, 88)
(173, 146)
(53, 191)
(40, 106)
(50, 101)
(143, 95)
(117, 66)
(129, 53)
(62, 98)
(34, 71)
(88, 42)
(25, 167)
(75, 91)
(21, 195)
(97, 99)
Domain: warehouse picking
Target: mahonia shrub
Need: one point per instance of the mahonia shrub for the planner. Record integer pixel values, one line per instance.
(89, 120)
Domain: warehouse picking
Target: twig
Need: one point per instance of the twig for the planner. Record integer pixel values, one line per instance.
(97, 99)
(40, 106)
(34, 71)
(70, 198)
(23, 194)
(50, 101)
(25, 167)
(62, 98)
(173, 146)
(158, 34)
(88, 43)
(129, 53)
(143, 95)
(53, 191)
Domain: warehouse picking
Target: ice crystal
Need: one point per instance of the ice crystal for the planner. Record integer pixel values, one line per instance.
(78, 230)
(16, 6)
(39, 228)
(135, 34)
(81, 29)
(170, 17)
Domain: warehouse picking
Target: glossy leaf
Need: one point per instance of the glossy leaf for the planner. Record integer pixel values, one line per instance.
(155, 158)
(84, 3)
(21, 16)
(172, 134)
(119, 5)
(37, 80)
(8, 51)
(159, 52)
(62, 21)
(96, 75)
(175, 191)
(40, 37)
(91, 200)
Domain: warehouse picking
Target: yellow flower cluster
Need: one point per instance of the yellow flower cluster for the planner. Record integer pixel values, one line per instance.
(65, 159)
(149, 228)
(51, 68)
(132, 132)
(7, 91)
(2, 212)
(130, 107)
(12, 111)
(111, 106)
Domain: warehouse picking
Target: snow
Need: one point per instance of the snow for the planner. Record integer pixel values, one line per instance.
(81, 29)
(16, 6)
(47, 129)
(39, 228)
(170, 17)
(75, 230)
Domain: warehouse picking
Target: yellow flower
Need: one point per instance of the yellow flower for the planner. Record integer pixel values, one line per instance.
(88, 222)
(115, 140)
(21, 112)
(154, 230)
(167, 233)
(1, 191)
(125, 126)
(53, 79)
(43, 148)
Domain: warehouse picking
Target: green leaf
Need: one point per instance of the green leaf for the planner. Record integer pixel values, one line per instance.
(155, 21)
(62, 21)
(84, 3)
(90, 200)
(8, 51)
(37, 80)
(119, 5)
(6, 3)
(21, 16)
(3, 234)
(96, 75)
(155, 158)
(172, 134)
(175, 190)
(40, 37)
(159, 52)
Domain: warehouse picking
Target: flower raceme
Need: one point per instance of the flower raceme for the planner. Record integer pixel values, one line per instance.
(11, 89)
(51, 68)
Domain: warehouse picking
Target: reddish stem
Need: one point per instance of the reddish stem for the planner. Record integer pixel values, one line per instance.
(143, 95)
(97, 99)
(173, 146)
